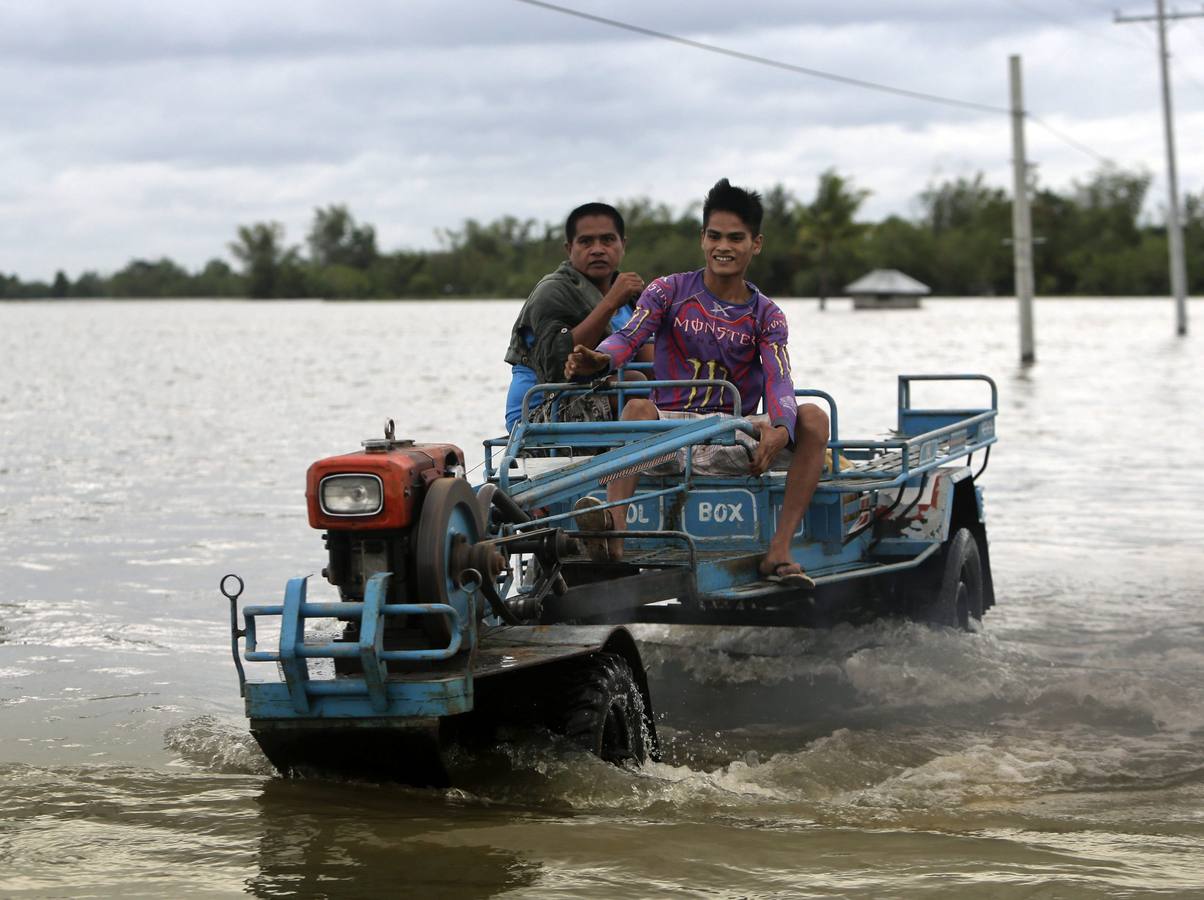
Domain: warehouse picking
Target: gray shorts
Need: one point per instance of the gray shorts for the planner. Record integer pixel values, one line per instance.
(718, 459)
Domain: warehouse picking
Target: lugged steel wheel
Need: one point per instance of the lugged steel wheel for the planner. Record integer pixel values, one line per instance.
(602, 710)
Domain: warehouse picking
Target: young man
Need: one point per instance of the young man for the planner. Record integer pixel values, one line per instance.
(713, 324)
(573, 305)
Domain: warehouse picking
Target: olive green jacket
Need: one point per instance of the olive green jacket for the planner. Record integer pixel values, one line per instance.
(558, 304)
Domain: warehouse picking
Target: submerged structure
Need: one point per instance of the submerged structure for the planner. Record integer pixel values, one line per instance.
(886, 289)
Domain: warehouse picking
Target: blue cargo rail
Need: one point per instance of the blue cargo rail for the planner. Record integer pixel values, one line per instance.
(374, 692)
(948, 435)
(491, 585)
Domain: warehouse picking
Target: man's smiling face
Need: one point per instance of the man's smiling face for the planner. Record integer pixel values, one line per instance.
(728, 245)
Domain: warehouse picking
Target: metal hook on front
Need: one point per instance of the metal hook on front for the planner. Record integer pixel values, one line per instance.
(231, 595)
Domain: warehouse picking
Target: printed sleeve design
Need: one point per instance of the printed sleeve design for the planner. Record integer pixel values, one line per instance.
(644, 323)
(780, 402)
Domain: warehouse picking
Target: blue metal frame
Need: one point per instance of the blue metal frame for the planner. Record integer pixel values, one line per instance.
(717, 525)
(373, 693)
(827, 546)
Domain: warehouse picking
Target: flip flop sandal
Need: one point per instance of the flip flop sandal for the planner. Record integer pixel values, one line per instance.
(798, 579)
(590, 518)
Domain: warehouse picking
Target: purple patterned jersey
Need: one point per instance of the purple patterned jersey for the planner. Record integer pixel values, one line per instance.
(700, 336)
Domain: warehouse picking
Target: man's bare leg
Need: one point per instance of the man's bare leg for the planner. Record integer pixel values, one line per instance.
(628, 375)
(811, 433)
(636, 410)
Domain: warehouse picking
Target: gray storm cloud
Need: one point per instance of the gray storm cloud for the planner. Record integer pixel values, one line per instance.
(147, 129)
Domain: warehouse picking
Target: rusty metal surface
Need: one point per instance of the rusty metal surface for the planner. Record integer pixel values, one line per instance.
(507, 649)
(620, 594)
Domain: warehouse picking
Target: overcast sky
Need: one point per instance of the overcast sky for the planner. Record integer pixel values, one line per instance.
(148, 129)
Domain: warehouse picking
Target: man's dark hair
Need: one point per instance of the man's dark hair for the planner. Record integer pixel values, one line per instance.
(592, 209)
(723, 197)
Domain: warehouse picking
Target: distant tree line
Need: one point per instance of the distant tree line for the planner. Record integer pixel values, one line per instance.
(1091, 240)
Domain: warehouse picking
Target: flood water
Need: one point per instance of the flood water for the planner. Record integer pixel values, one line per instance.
(148, 448)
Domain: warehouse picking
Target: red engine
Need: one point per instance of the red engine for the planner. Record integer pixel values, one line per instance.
(369, 504)
(376, 488)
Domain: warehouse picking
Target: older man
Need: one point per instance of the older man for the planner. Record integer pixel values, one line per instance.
(581, 302)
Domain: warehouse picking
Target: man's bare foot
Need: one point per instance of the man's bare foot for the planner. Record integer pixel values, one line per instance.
(590, 518)
(615, 550)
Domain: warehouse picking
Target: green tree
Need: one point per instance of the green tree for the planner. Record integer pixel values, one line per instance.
(61, 286)
(150, 278)
(270, 268)
(1111, 200)
(89, 284)
(828, 233)
(495, 259)
(336, 240)
(657, 242)
(395, 274)
(969, 223)
(1104, 251)
(775, 269)
(217, 279)
(896, 243)
(1193, 241)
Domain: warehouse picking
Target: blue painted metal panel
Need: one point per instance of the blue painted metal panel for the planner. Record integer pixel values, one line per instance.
(720, 514)
(445, 697)
(372, 642)
(912, 421)
(736, 514)
(292, 634)
(642, 515)
(900, 547)
(372, 692)
(824, 519)
(776, 516)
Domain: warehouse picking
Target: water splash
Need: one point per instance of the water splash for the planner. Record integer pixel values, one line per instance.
(217, 747)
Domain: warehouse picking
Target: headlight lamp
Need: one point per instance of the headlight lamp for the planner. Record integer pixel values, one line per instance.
(351, 495)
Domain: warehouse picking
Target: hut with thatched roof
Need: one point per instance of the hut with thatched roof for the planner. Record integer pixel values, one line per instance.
(886, 289)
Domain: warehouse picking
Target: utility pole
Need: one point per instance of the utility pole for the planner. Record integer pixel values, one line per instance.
(1022, 223)
(1174, 229)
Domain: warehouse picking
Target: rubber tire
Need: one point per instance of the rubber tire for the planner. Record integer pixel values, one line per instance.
(601, 709)
(953, 593)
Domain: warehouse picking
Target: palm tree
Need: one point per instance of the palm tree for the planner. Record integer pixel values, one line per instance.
(260, 248)
(826, 224)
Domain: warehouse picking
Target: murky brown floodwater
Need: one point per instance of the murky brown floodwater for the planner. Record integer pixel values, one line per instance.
(148, 448)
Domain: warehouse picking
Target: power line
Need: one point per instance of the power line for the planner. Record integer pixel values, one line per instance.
(1195, 34)
(1068, 23)
(816, 73)
(1151, 32)
(1069, 141)
(1181, 69)
(1096, 7)
(1179, 66)
(772, 63)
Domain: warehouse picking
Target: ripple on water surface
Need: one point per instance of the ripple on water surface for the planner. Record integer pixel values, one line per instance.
(1055, 753)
